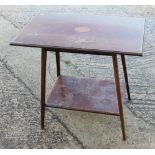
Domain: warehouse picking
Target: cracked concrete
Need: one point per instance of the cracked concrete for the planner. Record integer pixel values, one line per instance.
(87, 130)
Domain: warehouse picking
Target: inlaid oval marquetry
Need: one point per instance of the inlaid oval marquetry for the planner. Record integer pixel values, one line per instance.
(82, 29)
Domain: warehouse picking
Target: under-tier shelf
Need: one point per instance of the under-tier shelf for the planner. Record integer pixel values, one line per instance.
(84, 94)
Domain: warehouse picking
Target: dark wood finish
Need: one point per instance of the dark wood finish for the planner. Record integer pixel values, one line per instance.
(84, 33)
(57, 53)
(84, 94)
(119, 96)
(82, 51)
(125, 76)
(43, 85)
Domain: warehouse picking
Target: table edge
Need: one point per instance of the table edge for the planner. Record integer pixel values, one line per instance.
(77, 50)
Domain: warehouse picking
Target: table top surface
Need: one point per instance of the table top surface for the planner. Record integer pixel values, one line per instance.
(88, 33)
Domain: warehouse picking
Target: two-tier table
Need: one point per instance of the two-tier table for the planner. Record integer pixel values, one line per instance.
(84, 34)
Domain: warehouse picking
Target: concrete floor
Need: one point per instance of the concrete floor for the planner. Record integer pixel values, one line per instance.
(20, 67)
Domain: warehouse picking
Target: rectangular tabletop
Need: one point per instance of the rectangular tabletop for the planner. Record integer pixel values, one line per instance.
(88, 33)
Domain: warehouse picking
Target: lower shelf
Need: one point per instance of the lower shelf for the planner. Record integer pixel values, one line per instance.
(83, 94)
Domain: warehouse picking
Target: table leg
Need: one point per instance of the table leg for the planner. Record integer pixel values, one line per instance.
(118, 90)
(125, 76)
(43, 85)
(58, 62)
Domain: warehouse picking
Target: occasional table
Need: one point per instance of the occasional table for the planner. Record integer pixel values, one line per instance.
(84, 34)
